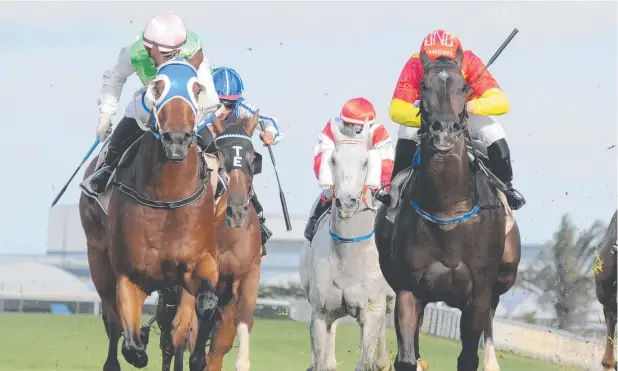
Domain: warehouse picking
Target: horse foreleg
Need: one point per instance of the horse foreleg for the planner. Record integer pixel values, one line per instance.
(609, 311)
(114, 331)
(105, 283)
(331, 359)
(129, 301)
(206, 277)
(383, 362)
(319, 331)
(476, 319)
(222, 337)
(408, 311)
(371, 321)
(247, 297)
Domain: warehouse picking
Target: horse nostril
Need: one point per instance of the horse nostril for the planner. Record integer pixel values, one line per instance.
(456, 127)
(353, 201)
(436, 126)
(337, 202)
(229, 211)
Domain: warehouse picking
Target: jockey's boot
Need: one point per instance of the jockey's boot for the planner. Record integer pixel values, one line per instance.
(404, 155)
(266, 233)
(321, 207)
(500, 161)
(127, 131)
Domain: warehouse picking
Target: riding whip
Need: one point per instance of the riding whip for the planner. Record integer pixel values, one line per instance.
(495, 56)
(92, 148)
(284, 205)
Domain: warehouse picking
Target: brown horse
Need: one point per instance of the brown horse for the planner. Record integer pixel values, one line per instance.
(605, 280)
(160, 226)
(239, 260)
(448, 242)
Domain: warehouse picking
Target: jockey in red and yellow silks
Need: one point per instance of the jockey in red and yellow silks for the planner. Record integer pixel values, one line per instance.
(485, 100)
(354, 112)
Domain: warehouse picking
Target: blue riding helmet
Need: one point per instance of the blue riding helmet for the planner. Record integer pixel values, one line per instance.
(228, 84)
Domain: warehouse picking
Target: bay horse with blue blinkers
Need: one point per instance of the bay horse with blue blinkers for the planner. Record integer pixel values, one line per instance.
(449, 238)
(160, 226)
(239, 246)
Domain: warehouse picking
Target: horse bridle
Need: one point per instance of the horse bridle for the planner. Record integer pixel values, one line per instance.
(362, 195)
(250, 171)
(463, 116)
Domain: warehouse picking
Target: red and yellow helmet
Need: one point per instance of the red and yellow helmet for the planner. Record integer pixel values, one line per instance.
(440, 43)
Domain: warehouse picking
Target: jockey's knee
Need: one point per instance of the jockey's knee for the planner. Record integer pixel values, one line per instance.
(407, 132)
(485, 128)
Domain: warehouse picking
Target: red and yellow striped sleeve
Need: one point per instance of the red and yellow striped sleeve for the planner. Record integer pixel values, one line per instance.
(486, 97)
(406, 93)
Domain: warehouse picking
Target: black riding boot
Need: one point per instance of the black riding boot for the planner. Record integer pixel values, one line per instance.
(266, 233)
(122, 137)
(319, 209)
(500, 160)
(404, 154)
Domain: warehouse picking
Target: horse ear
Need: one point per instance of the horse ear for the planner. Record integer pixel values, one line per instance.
(459, 56)
(156, 55)
(250, 124)
(424, 59)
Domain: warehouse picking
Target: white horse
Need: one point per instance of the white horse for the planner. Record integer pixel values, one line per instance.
(339, 270)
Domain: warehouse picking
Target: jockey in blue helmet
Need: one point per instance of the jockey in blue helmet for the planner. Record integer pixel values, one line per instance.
(229, 87)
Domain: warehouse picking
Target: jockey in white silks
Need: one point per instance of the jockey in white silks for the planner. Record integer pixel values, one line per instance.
(353, 115)
(168, 32)
(230, 88)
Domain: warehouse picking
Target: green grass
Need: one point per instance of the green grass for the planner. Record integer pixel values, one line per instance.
(67, 343)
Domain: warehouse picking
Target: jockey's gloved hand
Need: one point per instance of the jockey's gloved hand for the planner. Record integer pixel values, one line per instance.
(268, 138)
(104, 128)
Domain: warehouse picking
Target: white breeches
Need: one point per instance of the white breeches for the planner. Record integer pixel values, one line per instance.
(483, 128)
(134, 105)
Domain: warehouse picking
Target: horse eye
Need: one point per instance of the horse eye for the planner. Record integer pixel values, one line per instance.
(366, 163)
(332, 160)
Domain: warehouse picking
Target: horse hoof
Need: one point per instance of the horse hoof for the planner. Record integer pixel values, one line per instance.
(405, 366)
(111, 365)
(421, 365)
(135, 357)
(197, 362)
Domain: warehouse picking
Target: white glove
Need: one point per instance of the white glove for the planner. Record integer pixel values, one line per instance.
(104, 128)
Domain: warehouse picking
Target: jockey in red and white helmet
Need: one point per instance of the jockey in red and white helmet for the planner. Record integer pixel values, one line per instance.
(485, 101)
(354, 113)
(168, 32)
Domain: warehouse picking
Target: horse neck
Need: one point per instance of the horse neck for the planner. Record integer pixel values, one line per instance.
(360, 224)
(444, 182)
(162, 179)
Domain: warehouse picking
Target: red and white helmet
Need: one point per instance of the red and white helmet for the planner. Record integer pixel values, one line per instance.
(356, 110)
(167, 31)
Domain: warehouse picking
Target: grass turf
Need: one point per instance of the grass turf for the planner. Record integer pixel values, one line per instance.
(53, 342)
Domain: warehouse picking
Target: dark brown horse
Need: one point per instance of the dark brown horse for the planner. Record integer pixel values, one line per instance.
(239, 260)
(160, 226)
(448, 240)
(605, 280)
